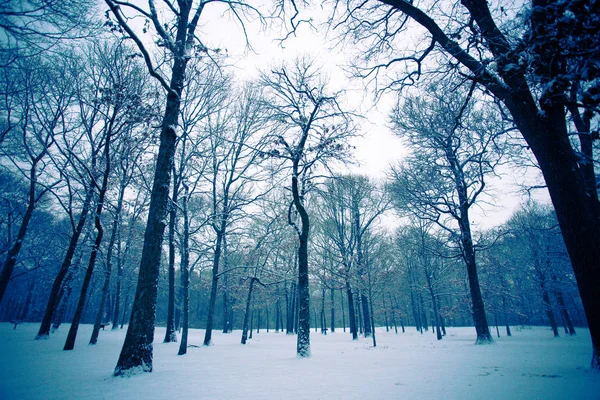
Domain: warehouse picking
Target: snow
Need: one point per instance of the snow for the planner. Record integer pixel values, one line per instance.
(529, 365)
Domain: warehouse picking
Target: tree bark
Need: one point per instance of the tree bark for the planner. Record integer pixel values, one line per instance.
(137, 348)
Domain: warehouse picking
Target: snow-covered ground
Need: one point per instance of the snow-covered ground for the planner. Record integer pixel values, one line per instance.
(529, 365)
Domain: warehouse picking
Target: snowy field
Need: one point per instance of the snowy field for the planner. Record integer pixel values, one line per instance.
(529, 365)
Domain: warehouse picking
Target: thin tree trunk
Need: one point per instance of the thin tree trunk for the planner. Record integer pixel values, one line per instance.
(508, 333)
(185, 274)
(351, 315)
(170, 335)
(247, 313)
(11, 257)
(214, 284)
(72, 335)
(54, 299)
(343, 310)
(109, 252)
(332, 310)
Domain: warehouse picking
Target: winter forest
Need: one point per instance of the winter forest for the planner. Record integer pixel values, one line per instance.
(298, 199)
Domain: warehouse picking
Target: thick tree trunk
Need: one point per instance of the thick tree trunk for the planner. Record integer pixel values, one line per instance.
(53, 299)
(137, 348)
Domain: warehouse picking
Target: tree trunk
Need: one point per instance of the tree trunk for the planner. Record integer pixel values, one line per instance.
(479, 317)
(247, 313)
(170, 335)
(508, 333)
(332, 310)
(351, 315)
(549, 311)
(303, 340)
(109, 252)
(72, 335)
(565, 313)
(185, 275)
(11, 257)
(323, 318)
(137, 348)
(436, 314)
(53, 299)
(214, 285)
(343, 310)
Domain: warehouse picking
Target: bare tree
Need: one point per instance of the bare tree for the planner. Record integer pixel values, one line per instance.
(536, 62)
(310, 129)
(464, 142)
(236, 139)
(37, 107)
(31, 27)
(181, 43)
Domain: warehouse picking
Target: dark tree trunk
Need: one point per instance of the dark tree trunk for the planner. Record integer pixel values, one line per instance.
(170, 335)
(247, 313)
(549, 311)
(72, 335)
(508, 333)
(258, 321)
(366, 314)
(137, 348)
(479, 318)
(436, 314)
(53, 299)
(323, 318)
(565, 313)
(185, 274)
(64, 295)
(109, 252)
(416, 314)
(277, 314)
(343, 310)
(185, 311)
(251, 323)
(359, 313)
(332, 310)
(13, 253)
(351, 315)
(214, 284)
(423, 313)
(303, 340)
